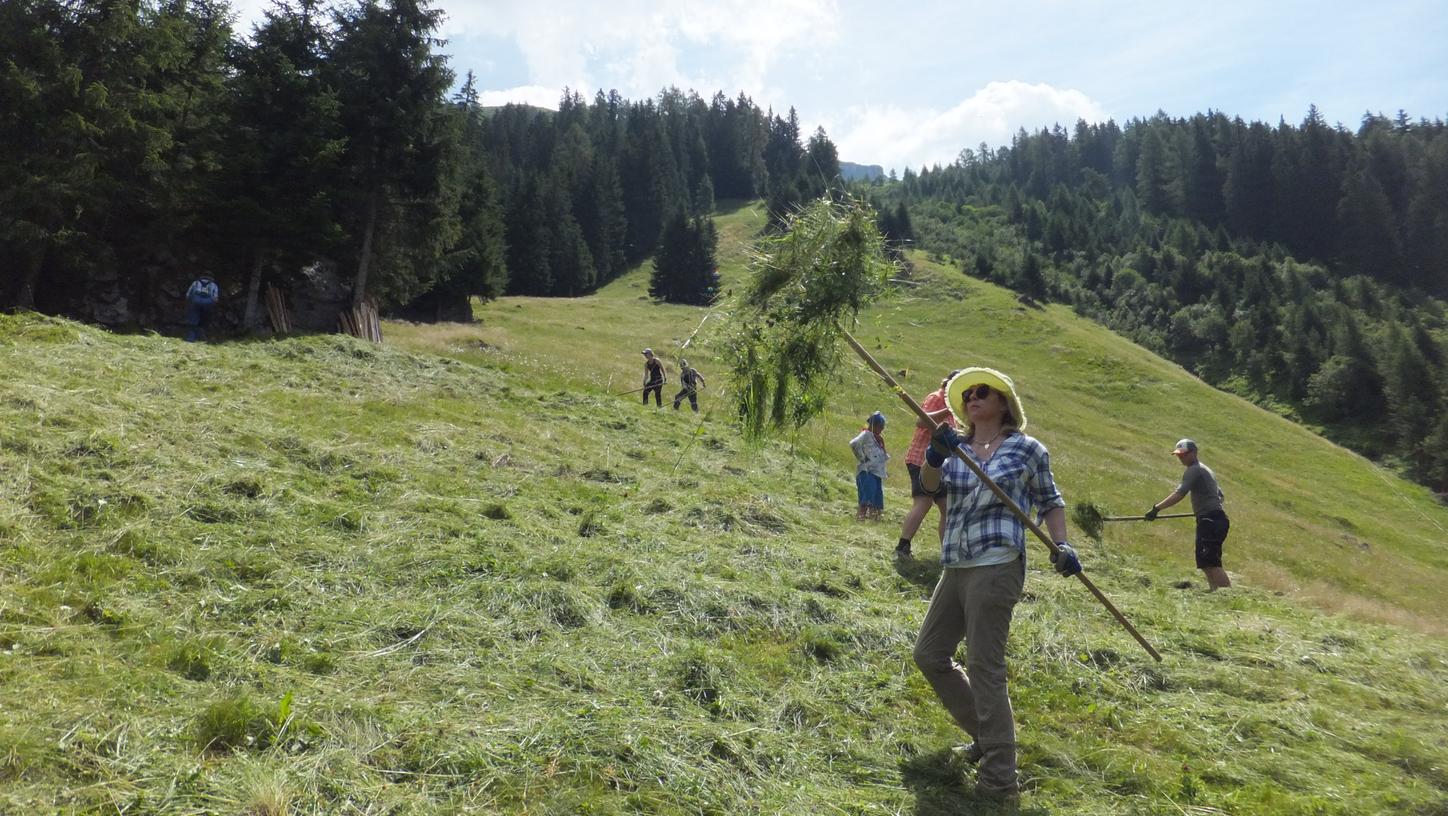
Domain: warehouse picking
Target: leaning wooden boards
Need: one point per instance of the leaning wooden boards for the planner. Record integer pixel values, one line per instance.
(362, 321)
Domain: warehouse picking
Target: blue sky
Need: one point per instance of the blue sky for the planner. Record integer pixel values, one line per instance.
(907, 84)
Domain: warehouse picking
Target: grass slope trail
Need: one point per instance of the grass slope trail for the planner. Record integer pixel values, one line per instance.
(321, 576)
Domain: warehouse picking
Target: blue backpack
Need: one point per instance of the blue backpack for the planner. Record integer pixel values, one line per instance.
(202, 292)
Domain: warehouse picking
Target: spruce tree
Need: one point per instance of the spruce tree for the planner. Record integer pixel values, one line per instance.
(480, 257)
(685, 270)
(391, 85)
(283, 147)
(1367, 238)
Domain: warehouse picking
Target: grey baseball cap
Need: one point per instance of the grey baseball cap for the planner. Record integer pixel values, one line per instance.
(1185, 446)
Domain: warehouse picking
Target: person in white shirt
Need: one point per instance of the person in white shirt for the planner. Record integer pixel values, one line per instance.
(870, 458)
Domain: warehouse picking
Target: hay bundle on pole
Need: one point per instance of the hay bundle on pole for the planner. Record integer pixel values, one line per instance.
(827, 265)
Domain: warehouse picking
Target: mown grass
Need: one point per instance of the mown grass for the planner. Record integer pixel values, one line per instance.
(319, 576)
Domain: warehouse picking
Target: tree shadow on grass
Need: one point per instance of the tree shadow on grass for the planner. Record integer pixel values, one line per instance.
(924, 572)
(943, 788)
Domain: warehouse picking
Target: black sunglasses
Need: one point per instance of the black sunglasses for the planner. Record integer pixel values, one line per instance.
(977, 392)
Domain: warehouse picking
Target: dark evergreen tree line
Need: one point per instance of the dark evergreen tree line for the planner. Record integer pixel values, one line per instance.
(1299, 266)
(145, 141)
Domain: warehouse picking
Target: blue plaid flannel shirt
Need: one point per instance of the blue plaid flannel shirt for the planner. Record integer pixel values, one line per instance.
(975, 520)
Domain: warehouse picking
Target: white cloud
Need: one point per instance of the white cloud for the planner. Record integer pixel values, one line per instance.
(636, 46)
(641, 46)
(895, 137)
(538, 96)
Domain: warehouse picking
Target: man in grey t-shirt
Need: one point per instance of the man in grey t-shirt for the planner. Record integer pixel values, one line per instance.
(1199, 482)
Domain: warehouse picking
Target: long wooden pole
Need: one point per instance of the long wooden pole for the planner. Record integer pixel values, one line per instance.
(995, 488)
(1143, 518)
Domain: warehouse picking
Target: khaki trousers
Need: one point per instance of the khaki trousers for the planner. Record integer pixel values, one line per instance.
(975, 605)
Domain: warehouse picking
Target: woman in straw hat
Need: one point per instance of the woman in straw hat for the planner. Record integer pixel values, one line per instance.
(983, 552)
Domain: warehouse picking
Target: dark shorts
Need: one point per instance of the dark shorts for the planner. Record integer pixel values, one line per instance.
(915, 488)
(1211, 533)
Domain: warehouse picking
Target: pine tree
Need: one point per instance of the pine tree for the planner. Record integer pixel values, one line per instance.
(1248, 185)
(647, 172)
(702, 204)
(1032, 280)
(1367, 238)
(391, 85)
(48, 171)
(1158, 175)
(608, 230)
(685, 270)
(527, 237)
(1204, 183)
(904, 228)
(821, 165)
(283, 148)
(480, 258)
(1426, 230)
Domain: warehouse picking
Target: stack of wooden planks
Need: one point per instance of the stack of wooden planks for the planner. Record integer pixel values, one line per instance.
(276, 309)
(362, 321)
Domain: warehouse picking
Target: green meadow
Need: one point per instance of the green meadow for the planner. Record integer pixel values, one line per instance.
(460, 573)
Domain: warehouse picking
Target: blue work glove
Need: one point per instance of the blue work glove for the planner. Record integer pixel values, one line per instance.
(1151, 514)
(1065, 559)
(942, 444)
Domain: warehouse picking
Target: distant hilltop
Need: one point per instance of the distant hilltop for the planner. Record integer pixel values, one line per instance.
(861, 172)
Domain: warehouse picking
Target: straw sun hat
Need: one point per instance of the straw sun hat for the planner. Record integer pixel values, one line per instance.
(969, 377)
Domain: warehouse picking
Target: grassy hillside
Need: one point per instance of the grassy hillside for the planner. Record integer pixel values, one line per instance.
(453, 574)
(1309, 518)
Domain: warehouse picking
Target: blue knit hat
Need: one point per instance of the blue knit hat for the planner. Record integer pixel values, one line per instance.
(876, 417)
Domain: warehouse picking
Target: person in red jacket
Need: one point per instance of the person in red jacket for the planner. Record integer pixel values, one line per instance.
(934, 404)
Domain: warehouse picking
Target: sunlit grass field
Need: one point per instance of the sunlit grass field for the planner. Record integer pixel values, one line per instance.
(458, 574)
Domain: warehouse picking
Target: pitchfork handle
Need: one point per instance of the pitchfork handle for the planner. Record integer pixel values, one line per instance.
(1143, 518)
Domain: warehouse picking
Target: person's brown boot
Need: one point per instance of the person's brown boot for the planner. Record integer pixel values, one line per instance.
(1007, 800)
(996, 780)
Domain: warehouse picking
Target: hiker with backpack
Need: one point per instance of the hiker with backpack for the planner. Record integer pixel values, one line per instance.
(200, 300)
(1199, 482)
(692, 381)
(870, 459)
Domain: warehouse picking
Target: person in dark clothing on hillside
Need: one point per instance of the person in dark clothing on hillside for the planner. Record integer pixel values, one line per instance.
(200, 300)
(1199, 482)
(692, 381)
(653, 378)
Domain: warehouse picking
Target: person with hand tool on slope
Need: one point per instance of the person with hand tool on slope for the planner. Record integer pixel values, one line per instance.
(983, 553)
(653, 378)
(1199, 482)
